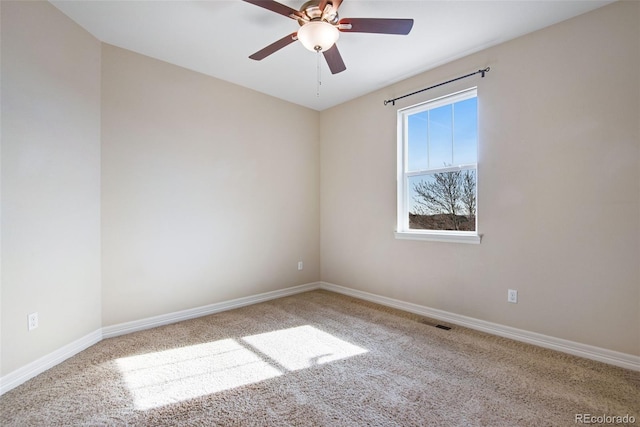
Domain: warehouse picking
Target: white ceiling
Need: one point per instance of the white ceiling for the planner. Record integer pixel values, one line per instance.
(216, 37)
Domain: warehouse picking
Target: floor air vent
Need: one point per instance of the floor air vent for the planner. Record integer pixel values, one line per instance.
(435, 325)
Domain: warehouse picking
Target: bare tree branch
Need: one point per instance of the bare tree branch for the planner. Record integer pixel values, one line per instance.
(452, 194)
(469, 192)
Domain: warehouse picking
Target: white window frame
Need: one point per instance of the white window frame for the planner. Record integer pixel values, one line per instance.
(402, 227)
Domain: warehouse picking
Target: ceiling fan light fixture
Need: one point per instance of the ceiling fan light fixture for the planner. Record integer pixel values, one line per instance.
(318, 36)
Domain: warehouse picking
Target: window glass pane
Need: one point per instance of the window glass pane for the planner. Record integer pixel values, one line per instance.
(440, 136)
(465, 132)
(417, 141)
(442, 201)
(439, 142)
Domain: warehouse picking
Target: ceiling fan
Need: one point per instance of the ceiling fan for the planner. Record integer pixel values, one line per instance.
(320, 27)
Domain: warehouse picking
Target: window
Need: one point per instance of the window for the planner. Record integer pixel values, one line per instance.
(437, 169)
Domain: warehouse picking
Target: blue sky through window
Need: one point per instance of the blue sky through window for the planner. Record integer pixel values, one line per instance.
(443, 136)
(465, 132)
(440, 141)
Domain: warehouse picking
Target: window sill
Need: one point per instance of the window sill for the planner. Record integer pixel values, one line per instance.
(450, 237)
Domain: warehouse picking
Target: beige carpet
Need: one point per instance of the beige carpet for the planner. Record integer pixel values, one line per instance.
(319, 359)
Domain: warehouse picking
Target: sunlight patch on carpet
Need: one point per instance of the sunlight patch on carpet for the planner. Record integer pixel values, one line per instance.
(302, 347)
(171, 376)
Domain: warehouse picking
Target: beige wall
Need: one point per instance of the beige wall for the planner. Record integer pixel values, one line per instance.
(50, 181)
(210, 191)
(559, 194)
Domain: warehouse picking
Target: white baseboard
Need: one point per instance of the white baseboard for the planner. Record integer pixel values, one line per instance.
(38, 366)
(178, 316)
(25, 373)
(623, 360)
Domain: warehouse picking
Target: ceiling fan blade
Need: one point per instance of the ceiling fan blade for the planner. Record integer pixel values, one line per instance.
(276, 7)
(274, 47)
(335, 3)
(376, 25)
(334, 60)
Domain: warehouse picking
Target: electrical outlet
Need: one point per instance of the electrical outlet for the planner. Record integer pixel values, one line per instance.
(33, 321)
(300, 265)
(512, 296)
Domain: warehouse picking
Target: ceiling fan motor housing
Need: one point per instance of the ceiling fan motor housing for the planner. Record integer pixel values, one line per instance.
(311, 10)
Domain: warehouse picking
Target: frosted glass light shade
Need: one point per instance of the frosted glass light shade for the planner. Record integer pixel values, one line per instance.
(318, 36)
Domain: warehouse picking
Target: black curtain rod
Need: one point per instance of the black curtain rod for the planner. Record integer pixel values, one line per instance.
(393, 101)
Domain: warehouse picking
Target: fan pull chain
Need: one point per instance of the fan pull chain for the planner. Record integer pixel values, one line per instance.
(319, 83)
